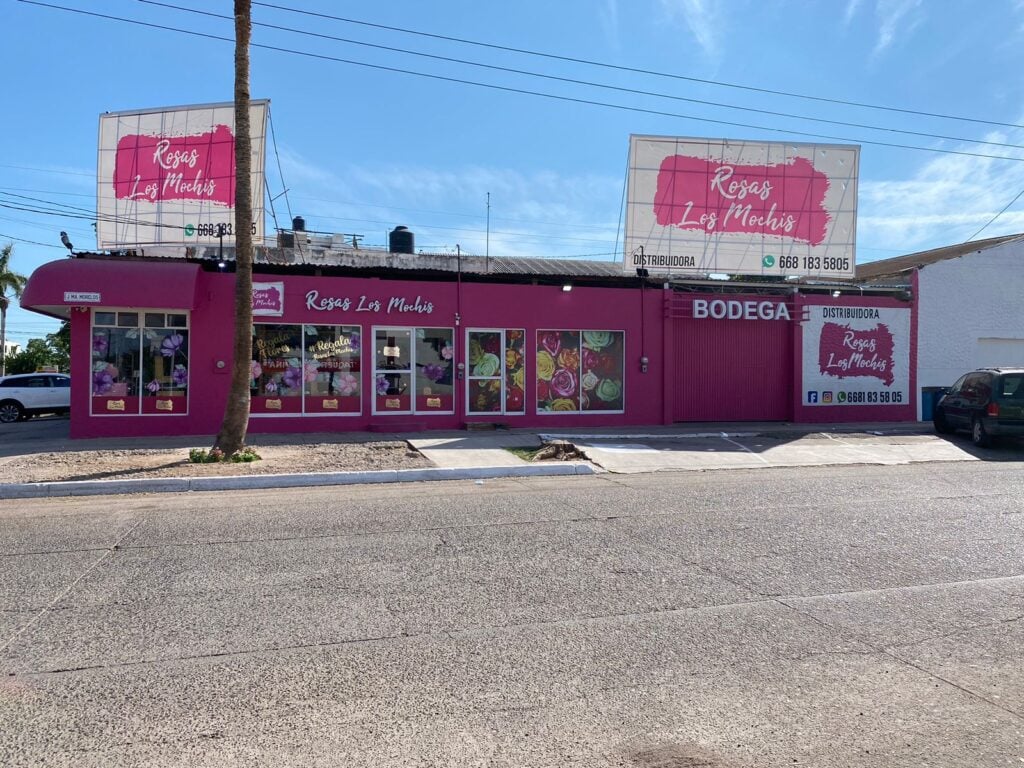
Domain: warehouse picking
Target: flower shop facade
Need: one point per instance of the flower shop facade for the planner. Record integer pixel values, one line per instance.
(396, 349)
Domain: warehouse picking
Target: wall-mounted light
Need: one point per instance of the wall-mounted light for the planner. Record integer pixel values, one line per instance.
(67, 243)
(836, 294)
(567, 287)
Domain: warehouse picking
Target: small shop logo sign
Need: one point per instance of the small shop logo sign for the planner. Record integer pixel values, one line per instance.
(268, 299)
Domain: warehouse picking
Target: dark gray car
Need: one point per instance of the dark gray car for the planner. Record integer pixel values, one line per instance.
(988, 403)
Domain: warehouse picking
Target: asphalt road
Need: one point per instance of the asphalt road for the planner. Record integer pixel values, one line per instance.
(841, 616)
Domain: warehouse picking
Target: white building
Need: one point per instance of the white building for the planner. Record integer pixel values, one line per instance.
(11, 348)
(970, 308)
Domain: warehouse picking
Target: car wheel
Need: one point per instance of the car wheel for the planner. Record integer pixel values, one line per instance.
(979, 435)
(941, 425)
(10, 412)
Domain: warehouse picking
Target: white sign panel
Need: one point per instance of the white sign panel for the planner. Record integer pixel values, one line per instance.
(856, 356)
(699, 206)
(167, 176)
(78, 297)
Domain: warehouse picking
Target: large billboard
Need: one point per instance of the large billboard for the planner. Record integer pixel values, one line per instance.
(856, 355)
(167, 176)
(700, 206)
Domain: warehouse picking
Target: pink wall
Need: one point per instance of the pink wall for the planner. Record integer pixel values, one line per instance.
(530, 307)
(645, 316)
(804, 413)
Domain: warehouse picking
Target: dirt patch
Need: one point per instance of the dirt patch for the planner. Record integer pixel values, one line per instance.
(173, 462)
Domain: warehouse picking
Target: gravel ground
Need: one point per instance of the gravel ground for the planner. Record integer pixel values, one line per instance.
(173, 462)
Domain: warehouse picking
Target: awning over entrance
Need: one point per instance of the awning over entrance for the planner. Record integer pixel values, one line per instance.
(56, 287)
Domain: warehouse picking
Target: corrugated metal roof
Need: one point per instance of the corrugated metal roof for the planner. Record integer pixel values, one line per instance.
(377, 259)
(874, 270)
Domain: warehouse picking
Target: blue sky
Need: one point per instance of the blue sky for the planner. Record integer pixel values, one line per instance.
(363, 149)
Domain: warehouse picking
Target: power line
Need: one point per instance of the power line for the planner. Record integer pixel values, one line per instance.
(527, 92)
(636, 70)
(591, 84)
(30, 242)
(1005, 208)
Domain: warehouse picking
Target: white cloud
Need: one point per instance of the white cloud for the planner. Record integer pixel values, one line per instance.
(608, 16)
(895, 18)
(852, 6)
(700, 18)
(540, 214)
(946, 201)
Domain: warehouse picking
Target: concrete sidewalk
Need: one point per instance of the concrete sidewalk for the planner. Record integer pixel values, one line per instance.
(478, 455)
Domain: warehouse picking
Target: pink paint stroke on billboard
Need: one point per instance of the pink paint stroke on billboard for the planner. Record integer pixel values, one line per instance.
(157, 168)
(844, 352)
(784, 200)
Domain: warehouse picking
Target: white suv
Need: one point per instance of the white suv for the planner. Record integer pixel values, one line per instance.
(27, 394)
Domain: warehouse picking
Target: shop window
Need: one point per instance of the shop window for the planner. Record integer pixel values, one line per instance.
(164, 370)
(413, 370)
(276, 371)
(580, 371)
(332, 354)
(496, 371)
(138, 364)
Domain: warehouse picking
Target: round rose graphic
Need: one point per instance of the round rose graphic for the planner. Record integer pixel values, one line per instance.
(563, 382)
(545, 365)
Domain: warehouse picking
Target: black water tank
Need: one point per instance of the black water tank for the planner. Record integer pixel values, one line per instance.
(298, 224)
(401, 240)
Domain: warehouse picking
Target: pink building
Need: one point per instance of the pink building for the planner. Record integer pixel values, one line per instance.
(378, 341)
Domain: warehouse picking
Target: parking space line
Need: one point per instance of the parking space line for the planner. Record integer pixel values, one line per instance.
(760, 458)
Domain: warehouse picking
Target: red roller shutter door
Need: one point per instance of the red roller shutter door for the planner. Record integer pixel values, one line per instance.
(733, 370)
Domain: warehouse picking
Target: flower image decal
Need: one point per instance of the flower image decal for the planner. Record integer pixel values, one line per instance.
(292, 378)
(545, 365)
(179, 375)
(347, 384)
(563, 382)
(585, 374)
(550, 342)
(271, 388)
(488, 365)
(434, 372)
(99, 345)
(255, 370)
(597, 340)
(354, 342)
(447, 352)
(153, 387)
(558, 370)
(102, 382)
(382, 384)
(171, 345)
(515, 372)
(309, 371)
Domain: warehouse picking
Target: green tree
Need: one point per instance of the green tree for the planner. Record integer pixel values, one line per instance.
(11, 286)
(36, 355)
(231, 437)
(60, 342)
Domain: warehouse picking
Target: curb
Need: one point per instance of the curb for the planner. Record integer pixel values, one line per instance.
(301, 480)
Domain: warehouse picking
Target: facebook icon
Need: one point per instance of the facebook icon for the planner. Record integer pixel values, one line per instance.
(812, 397)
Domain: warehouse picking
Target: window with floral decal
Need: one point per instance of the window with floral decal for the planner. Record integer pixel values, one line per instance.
(580, 371)
(413, 370)
(496, 371)
(332, 363)
(139, 362)
(277, 373)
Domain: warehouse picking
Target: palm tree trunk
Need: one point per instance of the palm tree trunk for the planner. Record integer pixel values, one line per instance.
(231, 437)
(3, 337)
